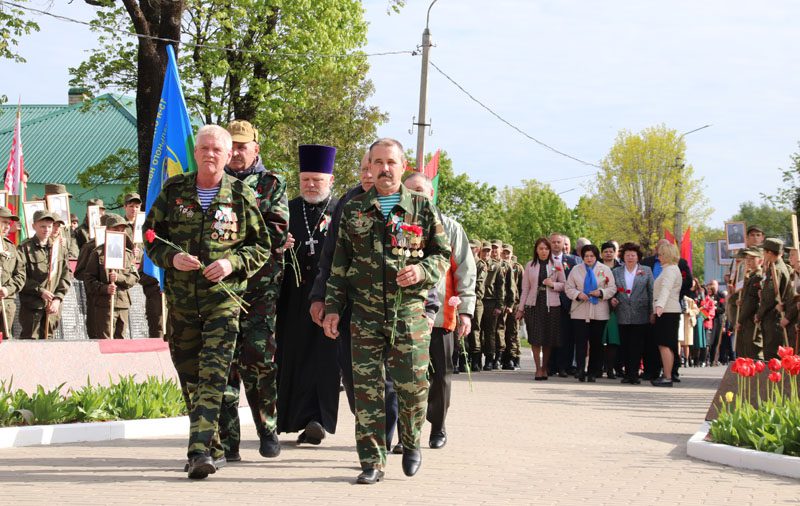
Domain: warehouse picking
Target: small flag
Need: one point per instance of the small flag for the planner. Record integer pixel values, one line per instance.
(15, 181)
(668, 236)
(432, 171)
(173, 144)
(686, 247)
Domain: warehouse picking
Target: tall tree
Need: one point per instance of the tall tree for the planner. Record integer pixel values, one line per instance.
(776, 221)
(788, 195)
(292, 68)
(634, 194)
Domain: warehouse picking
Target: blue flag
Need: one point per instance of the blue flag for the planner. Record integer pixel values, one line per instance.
(173, 145)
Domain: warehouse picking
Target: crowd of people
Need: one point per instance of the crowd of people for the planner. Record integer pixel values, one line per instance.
(378, 292)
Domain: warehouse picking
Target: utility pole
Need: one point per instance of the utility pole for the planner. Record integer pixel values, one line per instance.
(679, 193)
(423, 93)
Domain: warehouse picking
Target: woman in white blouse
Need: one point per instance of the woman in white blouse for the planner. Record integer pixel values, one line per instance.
(590, 285)
(666, 301)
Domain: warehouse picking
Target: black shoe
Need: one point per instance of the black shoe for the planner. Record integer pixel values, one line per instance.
(438, 440)
(233, 456)
(591, 379)
(572, 371)
(516, 365)
(636, 381)
(508, 366)
(495, 365)
(661, 382)
(200, 466)
(612, 376)
(562, 374)
(581, 377)
(270, 446)
(314, 434)
(412, 459)
(487, 366)
(462, 368)
(676, 379)
(398, 449)
(627, 380)
(221, 462)
(369, 477)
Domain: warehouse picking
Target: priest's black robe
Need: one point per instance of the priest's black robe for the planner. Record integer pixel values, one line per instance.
(308, 372)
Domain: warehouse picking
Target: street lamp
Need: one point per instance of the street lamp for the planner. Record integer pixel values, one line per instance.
(678, 204)
(423, 91)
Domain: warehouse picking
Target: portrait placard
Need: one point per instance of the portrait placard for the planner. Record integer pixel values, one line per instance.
(115, 250)
(29, 208)
(55, 257)
(723, 253)
(137, 227)
(735, 232)
(58, 204)
(99, 236)
(3, 198)
(92, 219)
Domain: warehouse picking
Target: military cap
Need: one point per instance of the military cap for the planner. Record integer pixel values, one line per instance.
(55, 189)
(73, 217)
(43, 214)
(486, 245)
(773, 245)
(242, 131)
(753, 252)
(95, 202)
(129, 197)
(114, 220)
(754, 228)
(498, 243)
(508, 247)
(474, 243)
(789, 248)
(6, 213)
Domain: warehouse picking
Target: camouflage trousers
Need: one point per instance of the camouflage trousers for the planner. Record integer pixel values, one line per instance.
(254, 365)
(407, 363)
(511, 337)
(202, 349)
(489, 328)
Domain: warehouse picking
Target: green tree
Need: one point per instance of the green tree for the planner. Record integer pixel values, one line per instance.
(292, 68)
(534, 210)
(776, 221)
(788, 195)
(634, 194)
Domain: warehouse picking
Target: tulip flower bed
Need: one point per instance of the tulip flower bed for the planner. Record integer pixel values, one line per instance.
(771, 423)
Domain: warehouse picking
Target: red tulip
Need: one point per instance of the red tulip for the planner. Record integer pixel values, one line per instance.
(774, 365)
(150, 235)
(760, 366)
(785, 351)
(775, 377)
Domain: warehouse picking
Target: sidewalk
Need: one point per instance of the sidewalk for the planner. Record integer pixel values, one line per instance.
(511, 440)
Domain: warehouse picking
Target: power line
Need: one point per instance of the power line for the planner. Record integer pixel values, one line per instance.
(205, 46)
(534, 139)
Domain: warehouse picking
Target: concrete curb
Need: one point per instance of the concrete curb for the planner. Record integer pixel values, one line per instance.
(744, 458)
(35, 435)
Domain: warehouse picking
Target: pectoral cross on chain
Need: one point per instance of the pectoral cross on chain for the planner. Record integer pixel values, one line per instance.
(310, 243)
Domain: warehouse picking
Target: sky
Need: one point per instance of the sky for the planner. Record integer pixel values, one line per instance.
(570, 74)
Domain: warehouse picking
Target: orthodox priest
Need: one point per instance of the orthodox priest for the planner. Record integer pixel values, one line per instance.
(308, 373)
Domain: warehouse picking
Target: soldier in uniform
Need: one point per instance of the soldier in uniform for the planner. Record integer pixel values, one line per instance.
(12, 273)
(104, 284)
(770, 307)
(474, 338)
(494, 298)
(790, 319)
(40, 298)
(512, 354)
(749, 342)
(82, 232)
(254, 356)
(391, 246)
(215, 218)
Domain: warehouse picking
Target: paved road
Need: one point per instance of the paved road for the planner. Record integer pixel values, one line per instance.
(512, 440)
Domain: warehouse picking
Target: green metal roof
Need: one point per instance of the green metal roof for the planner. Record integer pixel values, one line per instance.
(59, 141)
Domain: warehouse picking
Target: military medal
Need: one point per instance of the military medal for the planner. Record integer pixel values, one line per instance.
(214, 236)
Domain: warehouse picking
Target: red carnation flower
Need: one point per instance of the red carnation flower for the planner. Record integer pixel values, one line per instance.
(150, 235)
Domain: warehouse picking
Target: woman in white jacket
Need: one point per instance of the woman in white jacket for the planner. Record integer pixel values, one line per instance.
(666, 300)
(590, 286)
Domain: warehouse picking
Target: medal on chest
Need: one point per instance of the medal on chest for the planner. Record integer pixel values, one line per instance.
(225, 225)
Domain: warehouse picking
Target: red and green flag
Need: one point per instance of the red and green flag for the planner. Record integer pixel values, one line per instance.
(432, 172)
(15, 182)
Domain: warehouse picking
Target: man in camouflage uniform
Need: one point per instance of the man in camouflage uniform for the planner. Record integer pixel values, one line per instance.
(104, 284)
(481, 251)
(770, 307)
(12, 273)
(511, 337)
(254, 356)
(40, 298)
(494, 298)
(215, 218)
(749, 341)
(390, 244)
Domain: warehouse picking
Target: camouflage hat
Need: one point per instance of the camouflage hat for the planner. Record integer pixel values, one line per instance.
(508, 247)
(114, 220)
(242, 131)
(6, 213)
(55, 189)
(95, 202)
(486, 245)
(754, 228)
(498, 243)
(130, 197)
(43, 214)
(773, 245)
(751, 252)
(474, 243)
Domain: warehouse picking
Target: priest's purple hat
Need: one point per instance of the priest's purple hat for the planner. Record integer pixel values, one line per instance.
(317, 158)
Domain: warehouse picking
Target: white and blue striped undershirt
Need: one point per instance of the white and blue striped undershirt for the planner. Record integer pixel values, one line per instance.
(387, 203)
(206, 196)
